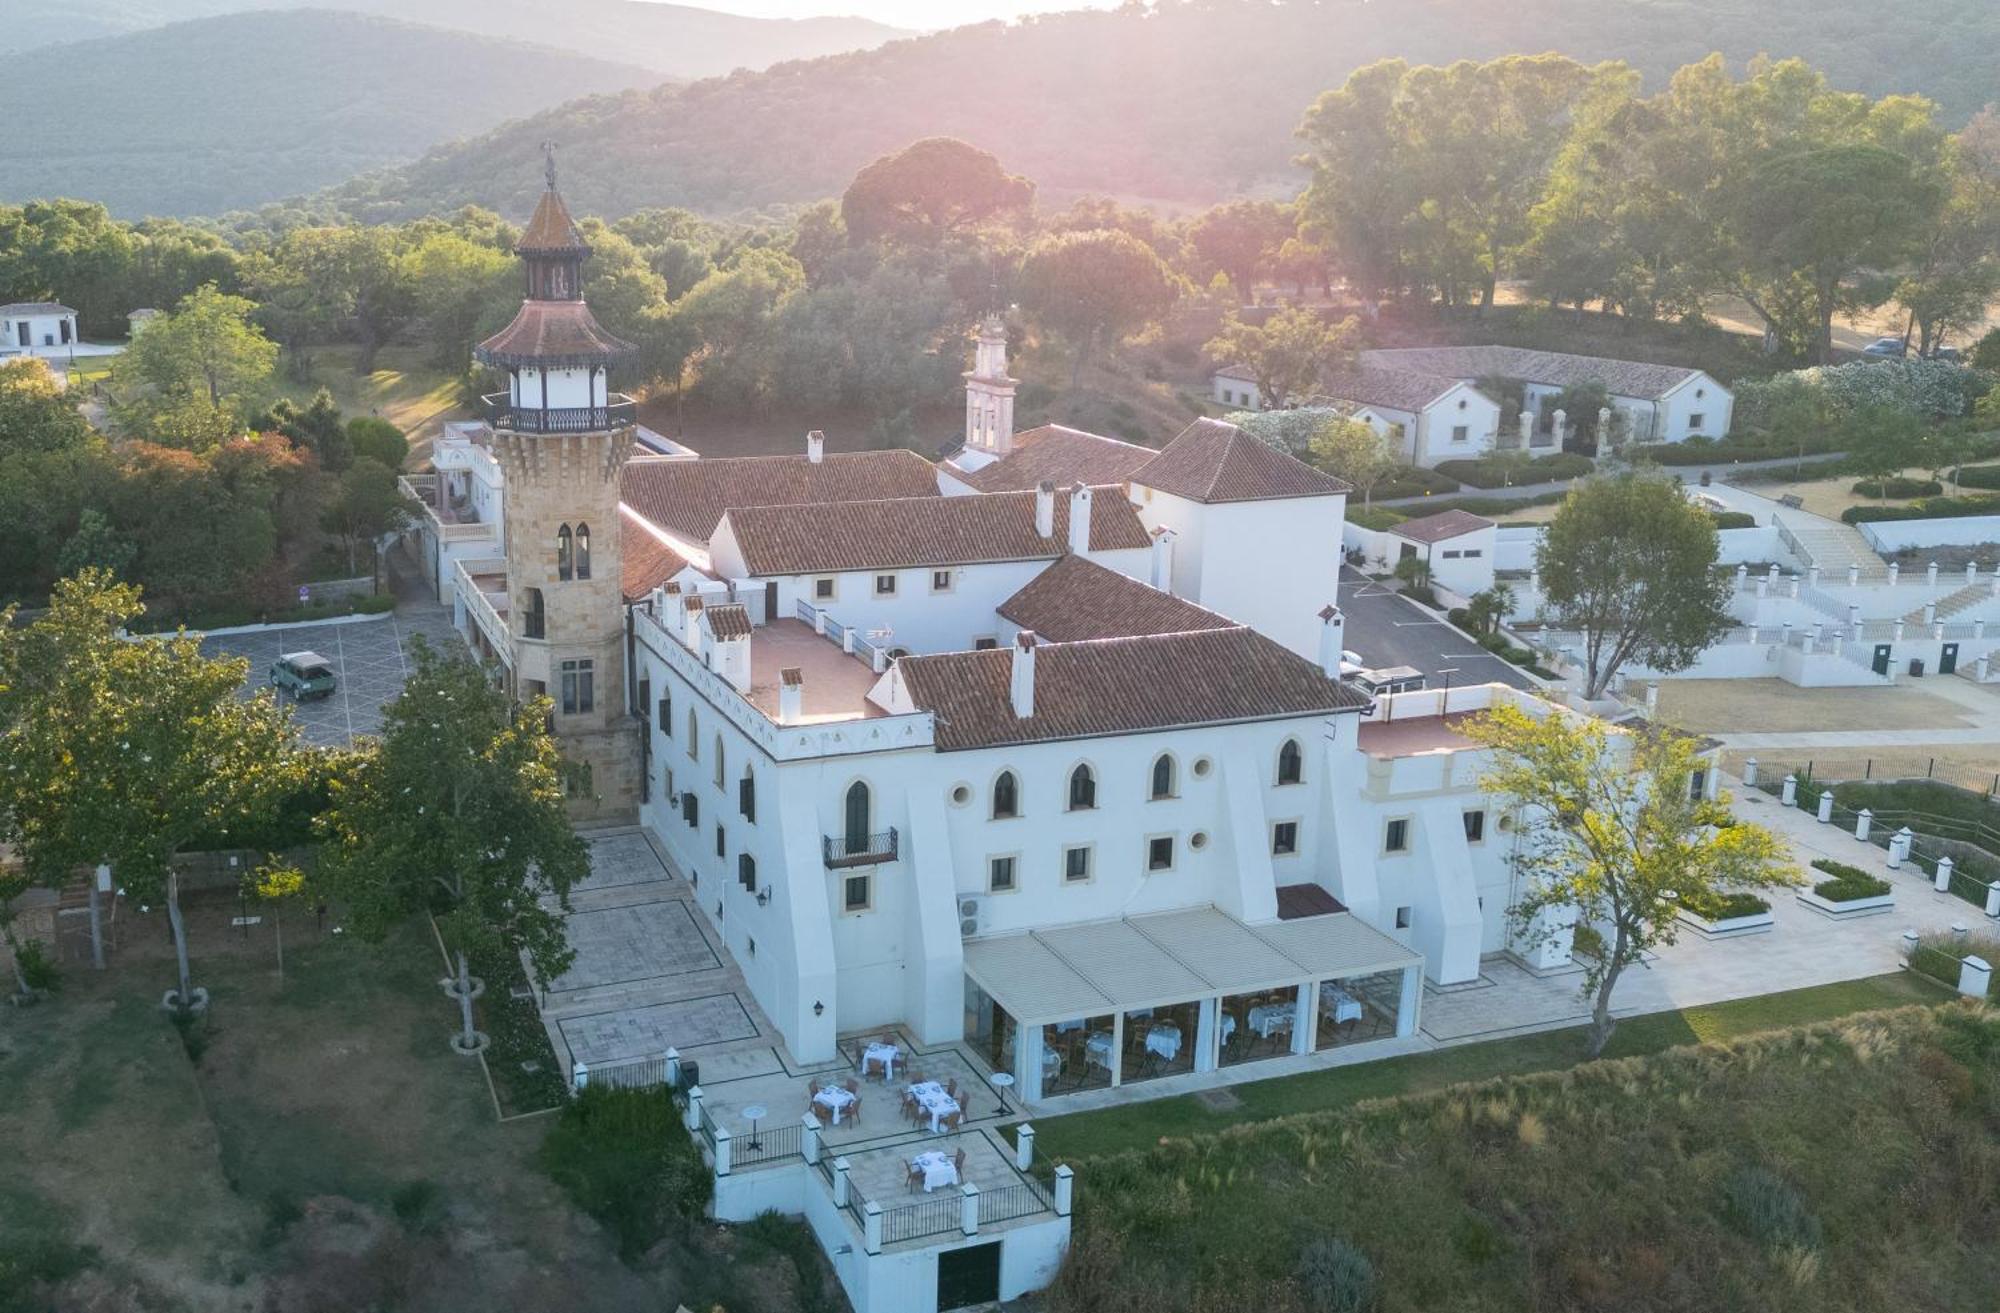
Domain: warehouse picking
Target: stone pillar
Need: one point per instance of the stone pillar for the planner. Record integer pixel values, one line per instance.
(1527, 429)
(1819, 630)
(847, 640)
(1826, 807)
(1065, 1189)
(1772, 573)
(1899, 848)
(1937, 631)
(871, 1227)
(1742, 577)
(1993, 899)
(968, 1209)
(1930, 612)
(1941, 881)
(694, 1108)
(819, 621)
(1750, 773)
(1763, 588)
(1305, 1013)
(1971, 572)
(1980, 667)
(1793, 592)
(1979, 629)
(1895, 574)
(1790, 796)
(842, 1192)
(1974, 977)
(1785, 633)
(1024, 1146)
(1930, 573)
(1995, 588)
(722, 1150)
(1561, 424)
(1207, 1033)
(1853, 575)
(1652, 696)
(1812, 577)
(579, 1077)
(1896, 632)
(1410, 1002)
(1862, 822)
(809, 1138)
(673, 1069)
(1854, 618)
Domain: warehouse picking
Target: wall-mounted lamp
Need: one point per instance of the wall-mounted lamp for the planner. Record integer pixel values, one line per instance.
(764, 896)
(819, 1008)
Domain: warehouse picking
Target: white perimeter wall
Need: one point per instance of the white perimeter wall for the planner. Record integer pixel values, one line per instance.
(1950, 531)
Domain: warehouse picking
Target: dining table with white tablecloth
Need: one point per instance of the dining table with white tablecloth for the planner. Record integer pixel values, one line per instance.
(938, 1169)
(884, 1056)
(1338, 1004)
(1165, 1040)
(835, 1100)
(1052, 1061)
(931, 1097)
(1270, 1018)
(1097, 1049)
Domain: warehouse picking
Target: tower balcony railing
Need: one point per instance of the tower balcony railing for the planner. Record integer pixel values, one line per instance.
(502, 413)
(859, 849)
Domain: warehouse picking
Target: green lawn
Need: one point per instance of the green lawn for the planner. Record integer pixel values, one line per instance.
(405, 389)
(1084, 1135)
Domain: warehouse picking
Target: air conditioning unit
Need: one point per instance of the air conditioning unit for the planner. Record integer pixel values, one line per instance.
(968, 917)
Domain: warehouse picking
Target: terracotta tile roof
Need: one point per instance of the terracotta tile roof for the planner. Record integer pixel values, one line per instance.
(1627, 378)
(1397, 389)
(1063, 455)
(939, 531)
(1443, 525)
(555, 333)
(729, 620)
(551, 230)
(1121, 686)
(1215, 462)
(1077, 599)
(686, 498)
(644, 562)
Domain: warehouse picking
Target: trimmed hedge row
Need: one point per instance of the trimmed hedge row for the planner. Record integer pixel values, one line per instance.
(1931, 508)
(1724, 907)
(1486, 472)
(1412, 481)
(1849, 883)
(1898, 488)
(1703, 451)
(229, 617)
(1733, 519)
(1979, 476)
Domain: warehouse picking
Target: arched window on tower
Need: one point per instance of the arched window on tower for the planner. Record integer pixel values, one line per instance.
(565, 562)
(858, 815)
(1006, 796)
(583, 551)
(534, 620)
(1163, 777)
(1291, 763)
(1082, 789)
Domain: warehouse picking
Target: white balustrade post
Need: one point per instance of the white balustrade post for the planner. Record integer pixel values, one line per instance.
(1794, 587)
(847, 640)
(1812, 577)
(1854, 617)
(1937, 631)
(1971, 572)
(1993, 900)
(1862, 822)
(1652, 696)
(721, 1151)
(1930, 573)
(694, 1108)
(1896, 634)
(579, 1076)
(968, 1209)
(809, 1138)
(841, 1189)
(673, 1069)
(1941, 881)
(1790, 796)
(871, 1227)
(819, 621)
(1826, 807)
(1899, 848)
(1024, 1146)
(1750, 772)
(1763, 588)
(1980, 667)
(1911, 942)
(1895, 574)
(1742, 576)
(1974, 977)
(1772, 573)
(1930, 612)
(1979, 629)
(1065, 1186)
(1853, 575)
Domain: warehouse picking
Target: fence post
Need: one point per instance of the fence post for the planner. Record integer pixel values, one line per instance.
(1024, 1146)
(1750, 773)
(1993, 899)
(579, 1077)
(1974, 977)
(1862, 821)
(1812, 576)
(840, 1186)
(1930, 573)
(1942, 881)
(694, 1108)
(1853, 575)
(1790, 797)
(809, 1138)
(1910, 943)
(968, 1209)
(1971, 572)
(1930, 612)
(673, 1069)
(1896, 632)
(1742, 574)
(1895, 573)
(871, 1227)
(722, 1151)
(1826, 807)
(1065, 1189)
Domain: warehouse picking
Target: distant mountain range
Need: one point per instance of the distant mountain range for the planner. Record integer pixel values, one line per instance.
(1183, 103)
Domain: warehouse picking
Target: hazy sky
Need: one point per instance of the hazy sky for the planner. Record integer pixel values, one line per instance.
(902, 13)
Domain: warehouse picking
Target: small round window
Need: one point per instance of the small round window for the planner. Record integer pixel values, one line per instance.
(1202, 766)
(961, 794)
(1199, 840)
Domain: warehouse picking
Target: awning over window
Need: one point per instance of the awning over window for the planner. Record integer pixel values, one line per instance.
(1045, 976)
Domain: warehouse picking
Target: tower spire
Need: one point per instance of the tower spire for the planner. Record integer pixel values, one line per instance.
(549, 163)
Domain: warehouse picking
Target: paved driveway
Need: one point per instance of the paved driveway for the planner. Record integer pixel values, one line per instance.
(1386, 630)
(370, 660)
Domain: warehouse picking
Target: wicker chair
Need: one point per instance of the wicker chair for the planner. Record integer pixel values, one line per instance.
(950, 1121)
(913, 1180)
(958, 1164)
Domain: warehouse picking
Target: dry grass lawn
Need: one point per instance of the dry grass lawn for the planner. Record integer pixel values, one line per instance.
(1771, 706)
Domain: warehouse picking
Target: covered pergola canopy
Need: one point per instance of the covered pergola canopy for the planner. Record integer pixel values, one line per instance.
(1042, 977)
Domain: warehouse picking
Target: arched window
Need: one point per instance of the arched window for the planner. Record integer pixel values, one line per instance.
(534, 620)
(694, 736)
(857, 817)
(1163, 776)
(719, 776)
(1291, 763)
(1006, 797)
(1082, 789)
(583, 551)
(565, 562)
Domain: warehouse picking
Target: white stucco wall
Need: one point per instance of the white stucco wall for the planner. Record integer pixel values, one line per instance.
(1270, 564)
(1950, 531)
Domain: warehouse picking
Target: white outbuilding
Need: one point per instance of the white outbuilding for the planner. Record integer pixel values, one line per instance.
(36, 328)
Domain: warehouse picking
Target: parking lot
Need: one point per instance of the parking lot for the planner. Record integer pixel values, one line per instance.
(370, 659)
(1385, 630)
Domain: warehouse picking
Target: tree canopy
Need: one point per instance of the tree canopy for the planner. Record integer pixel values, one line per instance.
(929, 190)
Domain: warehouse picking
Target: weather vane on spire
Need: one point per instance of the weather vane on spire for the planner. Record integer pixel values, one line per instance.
(549, 163)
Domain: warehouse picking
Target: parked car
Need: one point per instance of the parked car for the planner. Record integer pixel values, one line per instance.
(307, 676)
(1390, 679)
(1951, 355)
(1886, 348)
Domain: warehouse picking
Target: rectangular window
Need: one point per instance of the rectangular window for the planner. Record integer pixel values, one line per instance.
(1475, 827)
(1284, 838)
(1697, 785)
(691, 809)
(885, 585)
(1076, 864)
(941, 581)
(746, 871)
(857, 893)
(1160, 853)
(666, 708)
(823, 589)
(1694, 421)
(746, 797)
(721, 842)
(645, 696)
(579, 688)
(1452, 554)
(1396, 836)
(1473, 553)
(985, 644)
(1460, 433)
(999, 874)
(1402, 918)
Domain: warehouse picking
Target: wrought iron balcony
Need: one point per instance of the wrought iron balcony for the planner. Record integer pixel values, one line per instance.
(858, 849)
(620, 412)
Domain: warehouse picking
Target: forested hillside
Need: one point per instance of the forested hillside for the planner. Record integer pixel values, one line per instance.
(1185, 103)
(207, 116)
(676, 41)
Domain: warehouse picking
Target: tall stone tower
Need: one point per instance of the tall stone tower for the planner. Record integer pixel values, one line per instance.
(561, 437)
(989, 393)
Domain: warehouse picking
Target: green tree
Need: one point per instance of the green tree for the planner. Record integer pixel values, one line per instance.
(124, 752)
(1882, 442)
(1631, 563)
(377, 439)
(929, 190)
(459, 814)
(35, 414)
(1089, 286)
(317, 426)
(368, 506)
(206, 348)
(97, 545)
(70, 251)
(1614, 833)
(1351, 449)
(455, 286)
(1287, 353)
(1240, 239)
(731, 316)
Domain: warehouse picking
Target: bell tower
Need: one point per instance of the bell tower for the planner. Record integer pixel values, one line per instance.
(561, 437)
(989, 393)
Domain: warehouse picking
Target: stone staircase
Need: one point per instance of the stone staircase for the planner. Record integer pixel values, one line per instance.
(1833, 547)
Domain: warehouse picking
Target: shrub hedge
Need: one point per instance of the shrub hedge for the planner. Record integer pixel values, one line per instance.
(1849, 883)
(1898, 488)
(1979, 476)
(1376, 517)
(1724, 906)
(1410, 481)
(1486, 472)
(625, 1158)
(1930, 508)
(1733, 519)
(1706, 451)
(229, 617)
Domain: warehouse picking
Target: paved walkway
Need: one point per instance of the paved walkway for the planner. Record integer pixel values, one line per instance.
(1690, 474)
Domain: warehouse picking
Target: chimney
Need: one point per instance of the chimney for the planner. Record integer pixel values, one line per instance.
(815, 446)
(1045, 508)
(791, 696)
(1163, 559)
(1079, 519)
(1021, 678)
(691, 611)
(1332, 627)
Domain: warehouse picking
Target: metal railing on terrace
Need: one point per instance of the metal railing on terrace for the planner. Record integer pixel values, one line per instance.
(843, 850)
(619, 412)
(1966, 850)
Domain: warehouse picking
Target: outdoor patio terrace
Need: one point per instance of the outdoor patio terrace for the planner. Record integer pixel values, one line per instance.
(835, 685)
(1417, 736)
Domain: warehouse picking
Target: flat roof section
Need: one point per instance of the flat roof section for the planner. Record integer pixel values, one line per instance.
(1417, 736)
(836, 683)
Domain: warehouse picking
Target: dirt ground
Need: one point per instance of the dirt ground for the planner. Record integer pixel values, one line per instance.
(1771, 706)
(261, 1176)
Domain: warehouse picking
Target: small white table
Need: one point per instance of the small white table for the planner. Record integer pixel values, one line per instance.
(1271, 1018)
(1000, 1080)
(1164, 1040)
(886, 1056)
(835, 1100)
(931, 1097)
(1337, 1003)
(1097, 1048)
(753, 1114)
(938, 1169)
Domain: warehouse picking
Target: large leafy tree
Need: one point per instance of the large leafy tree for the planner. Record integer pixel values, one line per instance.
(128, 752)
(35, 414)
(1351, 449)
(1288, 352)
(1615, 833)
(1240, 239)
(368, 506)
(1630, 562)
(459, 814)
(928, 191)
(205, 350)
(1093, 286)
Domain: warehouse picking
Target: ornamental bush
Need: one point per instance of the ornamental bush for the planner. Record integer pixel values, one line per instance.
(1336, 1277)
(1917, 387)
(1724, 906)
(1848, 884)
(1930, 508)
(1486, 472)
(1898, 488)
